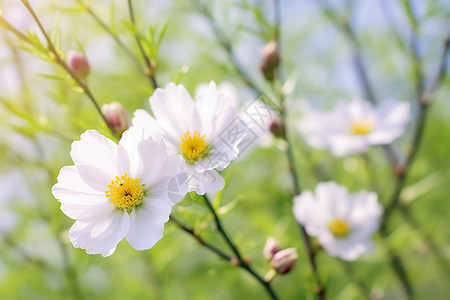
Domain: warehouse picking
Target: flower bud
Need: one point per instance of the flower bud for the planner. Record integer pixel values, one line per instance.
(78, 64)
(270, 59)
(276, 127)
(116, 115)
(285, 260)
(272, 246)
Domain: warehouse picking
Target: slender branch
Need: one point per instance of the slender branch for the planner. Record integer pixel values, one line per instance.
(150, 68)
(361, 285)
(360, 69)
(10, 242)
(320, 290)
(399, 269)
(424, 103)
(199, 239)
(116, 38)
(226, 44)
(62, 63)
(242, 263)
(443, 263)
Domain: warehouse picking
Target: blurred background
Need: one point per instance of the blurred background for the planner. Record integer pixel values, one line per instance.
(323, 47)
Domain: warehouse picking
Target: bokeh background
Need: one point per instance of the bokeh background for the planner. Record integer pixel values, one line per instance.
(42, 112)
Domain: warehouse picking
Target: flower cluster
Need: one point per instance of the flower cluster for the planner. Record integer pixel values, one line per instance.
(126, 190)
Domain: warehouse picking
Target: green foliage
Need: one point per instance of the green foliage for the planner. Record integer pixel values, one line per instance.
(49, 110)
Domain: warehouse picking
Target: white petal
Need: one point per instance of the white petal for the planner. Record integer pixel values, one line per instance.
(346, 144)
(392, 113)
(144, 120)
(97, 212)
(147, 223)
(102, 237)
(96, 150)
(74, 194)
(153, 156)
(94, 177)
(174, 110)
(170, 182)
(308, 213)
(205, 182)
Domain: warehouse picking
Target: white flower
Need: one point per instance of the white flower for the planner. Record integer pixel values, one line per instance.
(354, 126)
(116, 191)
(343, 222)
(206, 132)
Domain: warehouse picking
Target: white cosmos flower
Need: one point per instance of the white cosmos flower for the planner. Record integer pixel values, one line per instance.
(354, 126)
(206, 132)
(343, 222)
(116, 191)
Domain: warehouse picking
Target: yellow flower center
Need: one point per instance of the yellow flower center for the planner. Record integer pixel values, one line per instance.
(193, 148)
(361, 127)
(125, 192)
(339, 228)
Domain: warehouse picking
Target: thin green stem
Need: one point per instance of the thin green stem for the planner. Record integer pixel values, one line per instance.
(361, 285)
(424, 102)
(200, 240)
(320, 289)
(115, 37)
(242, 263)
(226, 44)
(62, 63)
(149, 71)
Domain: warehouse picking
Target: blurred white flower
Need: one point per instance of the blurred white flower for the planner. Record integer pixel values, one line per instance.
(354, 126)
(205, 132)
(116, 191)
(343, 222)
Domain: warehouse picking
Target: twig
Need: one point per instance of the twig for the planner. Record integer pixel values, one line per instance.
(226, 44)
(424, 103)
(361, 70)
(116, 38)
(320, 289)
(242, 263)
(361, 285)
(61, 62)
(443, 264)
(149, 71)
(199, 239)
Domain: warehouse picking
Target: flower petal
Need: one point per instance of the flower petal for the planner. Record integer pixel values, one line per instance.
(208, 181)
(96, 150)
(101, 237)
(74, 194)
(147, 223)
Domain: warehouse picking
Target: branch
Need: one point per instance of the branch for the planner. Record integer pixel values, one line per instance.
(227, 46)
(62, 63)
(320, 290)
(200, 240)
(424, 102)
(242, 262)
(150, 69)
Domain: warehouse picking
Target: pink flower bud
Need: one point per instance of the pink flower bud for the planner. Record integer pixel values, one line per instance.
(270, 60)
(78, 64)
(276, 127)
(285, 260)
(272, 246)
(116, 115)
